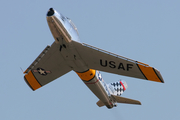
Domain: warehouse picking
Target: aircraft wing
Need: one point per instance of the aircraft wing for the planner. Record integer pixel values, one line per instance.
(102, 60)
(48, 66)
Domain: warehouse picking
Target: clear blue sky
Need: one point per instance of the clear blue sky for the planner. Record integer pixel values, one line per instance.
(143, 30)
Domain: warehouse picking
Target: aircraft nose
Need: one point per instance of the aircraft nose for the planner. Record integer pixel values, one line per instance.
(50, 12)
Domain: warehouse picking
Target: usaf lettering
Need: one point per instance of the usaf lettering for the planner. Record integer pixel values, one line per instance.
(112, 64)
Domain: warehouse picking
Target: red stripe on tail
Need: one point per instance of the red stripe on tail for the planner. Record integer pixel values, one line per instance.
(122, 85)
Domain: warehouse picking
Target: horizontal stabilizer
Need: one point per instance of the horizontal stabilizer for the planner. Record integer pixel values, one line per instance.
(126, 100)
(100, 103)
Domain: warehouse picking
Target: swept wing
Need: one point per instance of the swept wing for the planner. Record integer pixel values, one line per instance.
(48, 66)
(102, 60)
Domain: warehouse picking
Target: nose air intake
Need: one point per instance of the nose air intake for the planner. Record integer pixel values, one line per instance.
(50, 12)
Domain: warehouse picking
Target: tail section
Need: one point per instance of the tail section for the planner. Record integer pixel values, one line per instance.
(100, 103)
(118, 88)
(119, 99)
(126, 100)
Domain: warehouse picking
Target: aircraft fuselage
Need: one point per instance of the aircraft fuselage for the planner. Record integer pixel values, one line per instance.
(65, 34)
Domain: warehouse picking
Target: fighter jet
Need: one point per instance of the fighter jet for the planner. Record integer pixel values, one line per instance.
(67, 54)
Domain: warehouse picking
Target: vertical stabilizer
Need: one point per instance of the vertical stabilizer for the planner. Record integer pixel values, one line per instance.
(118, 88)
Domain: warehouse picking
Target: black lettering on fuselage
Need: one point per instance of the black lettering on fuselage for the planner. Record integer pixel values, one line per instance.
(113, 65)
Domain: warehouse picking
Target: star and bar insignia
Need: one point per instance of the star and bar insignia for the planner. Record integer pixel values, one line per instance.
(42, 71)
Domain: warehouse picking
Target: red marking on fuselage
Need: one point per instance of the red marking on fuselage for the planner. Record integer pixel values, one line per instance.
(93, 82)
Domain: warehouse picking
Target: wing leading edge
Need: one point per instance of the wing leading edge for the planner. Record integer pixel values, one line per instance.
(48, 66)
(102, 60)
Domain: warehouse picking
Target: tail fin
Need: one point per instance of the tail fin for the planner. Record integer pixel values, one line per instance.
(118, 87)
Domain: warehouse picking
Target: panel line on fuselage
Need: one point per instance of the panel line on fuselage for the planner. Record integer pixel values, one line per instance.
(92, 82)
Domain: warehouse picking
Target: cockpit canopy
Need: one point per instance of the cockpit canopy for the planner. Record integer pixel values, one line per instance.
(72, 24)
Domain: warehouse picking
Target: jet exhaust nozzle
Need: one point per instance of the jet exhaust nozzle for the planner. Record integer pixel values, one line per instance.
(50, 12)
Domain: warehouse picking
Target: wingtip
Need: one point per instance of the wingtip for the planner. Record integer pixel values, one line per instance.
(158, 75)
(162, 81)
(138, 103)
